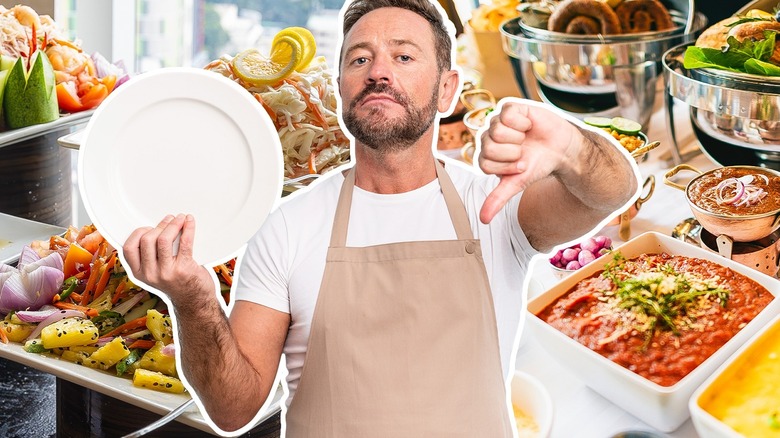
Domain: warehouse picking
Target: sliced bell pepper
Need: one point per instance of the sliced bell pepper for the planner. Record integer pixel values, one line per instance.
(85, 95)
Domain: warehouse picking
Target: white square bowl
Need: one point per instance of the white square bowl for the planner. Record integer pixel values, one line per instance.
(706, 424)
(662, 407)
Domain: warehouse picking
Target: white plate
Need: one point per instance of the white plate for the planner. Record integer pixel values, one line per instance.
(16, 232)
(181, 140)
(119, 387)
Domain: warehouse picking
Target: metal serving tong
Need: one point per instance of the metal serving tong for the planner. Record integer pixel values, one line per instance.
(167, 418)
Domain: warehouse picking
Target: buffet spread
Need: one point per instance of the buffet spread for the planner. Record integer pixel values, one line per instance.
(648, 330)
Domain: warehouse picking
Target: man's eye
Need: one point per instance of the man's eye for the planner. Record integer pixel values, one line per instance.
(361, 60)
(405, 58)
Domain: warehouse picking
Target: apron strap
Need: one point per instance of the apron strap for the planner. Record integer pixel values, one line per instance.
(460, 219)
(455, 207)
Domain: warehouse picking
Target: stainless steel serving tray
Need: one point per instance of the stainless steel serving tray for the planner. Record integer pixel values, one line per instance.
(741, 109)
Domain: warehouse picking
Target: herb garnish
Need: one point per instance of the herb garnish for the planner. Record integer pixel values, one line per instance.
(661, 294)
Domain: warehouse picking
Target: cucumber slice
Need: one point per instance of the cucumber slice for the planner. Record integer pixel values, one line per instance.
(599, 122)
(625, 126)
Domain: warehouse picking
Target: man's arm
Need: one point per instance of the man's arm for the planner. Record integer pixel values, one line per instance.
(231, 365)
(572, 178)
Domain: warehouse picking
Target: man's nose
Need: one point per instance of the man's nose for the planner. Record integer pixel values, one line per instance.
(381, 70)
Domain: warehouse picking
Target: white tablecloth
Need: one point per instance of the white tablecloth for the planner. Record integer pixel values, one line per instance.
(578, 410)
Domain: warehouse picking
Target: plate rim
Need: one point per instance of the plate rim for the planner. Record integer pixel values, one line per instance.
(235, 102)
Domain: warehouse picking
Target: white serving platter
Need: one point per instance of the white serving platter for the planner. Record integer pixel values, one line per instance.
(120, 388)
(16, 233)
(664, 408)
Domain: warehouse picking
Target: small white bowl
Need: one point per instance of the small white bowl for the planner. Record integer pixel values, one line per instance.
(532, 398)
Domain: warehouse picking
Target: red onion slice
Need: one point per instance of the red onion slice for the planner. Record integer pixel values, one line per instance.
(54, 317)
(169, 350)
(34, 316)
(739, 190)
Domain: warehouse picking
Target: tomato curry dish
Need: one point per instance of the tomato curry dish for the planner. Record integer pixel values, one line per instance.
(657, 315)
(736, 191)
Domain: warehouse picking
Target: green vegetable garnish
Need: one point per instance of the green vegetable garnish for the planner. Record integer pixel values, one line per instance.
(773, 421)
(107, 321)
(599, 122)
(747, 56)
(69, 285)
(123, 365)
(663, 297)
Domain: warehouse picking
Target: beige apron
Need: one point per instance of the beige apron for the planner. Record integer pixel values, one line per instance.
(403, 339)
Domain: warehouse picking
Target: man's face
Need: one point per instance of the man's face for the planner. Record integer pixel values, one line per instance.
(389, 79)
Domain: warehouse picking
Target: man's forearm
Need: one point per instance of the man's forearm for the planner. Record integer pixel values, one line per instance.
(229, 387)
(601, 177)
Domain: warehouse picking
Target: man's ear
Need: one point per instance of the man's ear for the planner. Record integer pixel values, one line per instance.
(448, 88)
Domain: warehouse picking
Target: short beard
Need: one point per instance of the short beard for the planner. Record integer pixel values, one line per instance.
(389, 135)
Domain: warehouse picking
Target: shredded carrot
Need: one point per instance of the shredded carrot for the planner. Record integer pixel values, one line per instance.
(118, 292)
(101, 285)
(232, 263)
(312, 165)
(86, 296)
(225, 274)
(142, 343)
(134, 325)
(314, 108)
(75, 296)
(90, 312)
(3, 336)
(226, 297)
(267, 108)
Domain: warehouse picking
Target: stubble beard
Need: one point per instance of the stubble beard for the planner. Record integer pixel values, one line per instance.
(384, 134)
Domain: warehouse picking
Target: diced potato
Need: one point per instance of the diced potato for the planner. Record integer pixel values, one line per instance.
(160, 326)
(88, 349)
(78, 357)
(16, 332)
(157, 381)
(155, 360)
(69, 332)
(111, 353)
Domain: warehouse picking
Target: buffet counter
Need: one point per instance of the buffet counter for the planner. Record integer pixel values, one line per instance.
(578, 410)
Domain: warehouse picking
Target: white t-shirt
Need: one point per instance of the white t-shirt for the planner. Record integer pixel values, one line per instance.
(285, 261)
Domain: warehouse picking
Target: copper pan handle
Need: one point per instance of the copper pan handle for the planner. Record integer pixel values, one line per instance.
(674, 172)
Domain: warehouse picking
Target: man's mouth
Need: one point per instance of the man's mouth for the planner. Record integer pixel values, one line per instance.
(379, 97)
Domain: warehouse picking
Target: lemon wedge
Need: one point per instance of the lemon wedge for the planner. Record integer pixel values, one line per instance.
(306, 40)
(255, 68)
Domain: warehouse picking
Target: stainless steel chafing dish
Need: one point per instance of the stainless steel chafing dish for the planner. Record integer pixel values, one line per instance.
(735, 116)
(596, 75)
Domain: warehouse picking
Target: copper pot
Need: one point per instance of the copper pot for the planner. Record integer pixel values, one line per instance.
(745, 228)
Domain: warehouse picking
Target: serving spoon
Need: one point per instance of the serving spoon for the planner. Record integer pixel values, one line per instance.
(688, 231)
(167, 418)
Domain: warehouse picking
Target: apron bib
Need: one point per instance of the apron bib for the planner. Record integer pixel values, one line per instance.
(403, 339)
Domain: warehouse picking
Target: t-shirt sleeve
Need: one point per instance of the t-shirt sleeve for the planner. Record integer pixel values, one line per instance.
(262, 270)
(520, 244)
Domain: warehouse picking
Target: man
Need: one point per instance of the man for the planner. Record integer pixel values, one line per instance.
(393, 288)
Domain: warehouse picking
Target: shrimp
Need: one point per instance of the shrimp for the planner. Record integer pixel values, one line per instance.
(26, 16)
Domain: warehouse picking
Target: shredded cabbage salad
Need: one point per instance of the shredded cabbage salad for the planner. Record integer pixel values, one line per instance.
(303, 109)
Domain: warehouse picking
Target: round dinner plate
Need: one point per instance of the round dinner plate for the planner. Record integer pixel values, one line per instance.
(181, 140)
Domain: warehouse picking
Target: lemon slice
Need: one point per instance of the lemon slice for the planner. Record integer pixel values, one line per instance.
(256, 69)
(306, 40)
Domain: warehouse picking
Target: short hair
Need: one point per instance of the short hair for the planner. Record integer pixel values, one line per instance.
(424, 8)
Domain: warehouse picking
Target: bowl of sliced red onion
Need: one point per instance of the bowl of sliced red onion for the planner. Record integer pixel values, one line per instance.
(742, 202)
(567, 260)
